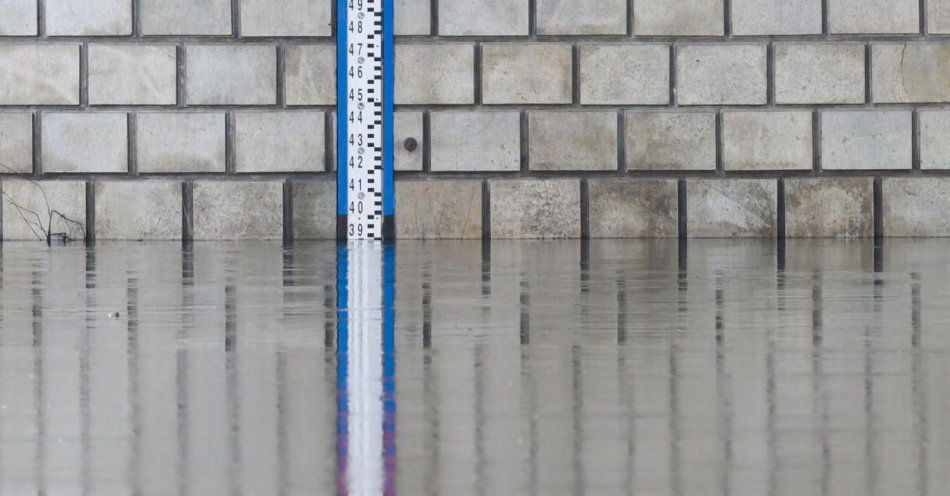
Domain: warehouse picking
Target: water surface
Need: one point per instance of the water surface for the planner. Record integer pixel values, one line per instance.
(606, 367)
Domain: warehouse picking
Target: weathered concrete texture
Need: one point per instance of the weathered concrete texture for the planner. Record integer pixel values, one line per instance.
(678, 18)
(16, 142)
(310, 75)
(45, 74)
(183, 17)
(286, 18)
(671, 141)
(476, 141)
(66, 197)
(938, 16)
(18, 18)
(814, 73)
(776, 17)
(535, 209)
(279, 142)
(758, 141)
(231, 75)
(448, 78)
(83, 142)
(88, 17)
(910, 72)
(412, 17)
(233, 210)
(934, 145)
(314, 210)
(132, 210)
(180, 142)
(873, 16)
(625, 74)
(407, 125)
(439, 209)
(877, 139)
(732, 208)
(633, 209)
(582, 17)
(916, 207)
(829, 208)
(527, 73)
(572, 141)
(721, 74)
(483, 18)
(133, 74)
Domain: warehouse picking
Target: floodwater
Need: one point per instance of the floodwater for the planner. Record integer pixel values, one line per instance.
(602, 368)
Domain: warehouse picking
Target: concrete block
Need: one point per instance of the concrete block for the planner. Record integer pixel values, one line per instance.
(527, 73)
(286, 18)
(814, 73)
(733, 74)
(776, 17)
(916, 207)
(310, 75)
(476, 141)
(279, 142)
(625, 74)
(934, 145)
(448, 76)
(449, 209)
(572, 141)
(582, 17)
(671, 141)
(238, 210)
(16, 142)
(231, 75)
(910, 72)
(408, 125)
(412, 17)
(758, 141)
(873, 16)
(483, 18)
(133, 74)
(678, 18)
(180, 142)
(65, 197)
(18, 18)
(938, 16)
(622, 208)
(88, 17)
(829, 207)
(84, 142)
(39, 74)
(133, 210)
(732, 208)
(877, 139)
(314, 210)
(535, 209)
(186, 17)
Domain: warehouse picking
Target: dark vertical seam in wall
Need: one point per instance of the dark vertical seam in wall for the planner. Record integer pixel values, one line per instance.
(621, 142)
(180, 76)
(288, 209)
(229, 143)
(532, 19)
(924, 29)
(878, 208)
(38, 144)
(235, 19)
(673, 101)
(868, 95)
(681, 210)
(84, 75)
(434, 17)
(486, 210)
(91, 212)
(915, 140)
(781, 208)
(727, 18)
(720, 167)
(187, 211)
(133, 166)
(630, 19)
(478, 73)
(329, 144)
(137, 18)
(770, 73)
(576, 74)
(41, 19)
(824, 18)
(426, 142)
(585, 209)
(816, 141)
(525, 164)
(281, 65)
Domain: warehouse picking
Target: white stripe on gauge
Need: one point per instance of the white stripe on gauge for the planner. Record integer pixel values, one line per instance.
(364, 119)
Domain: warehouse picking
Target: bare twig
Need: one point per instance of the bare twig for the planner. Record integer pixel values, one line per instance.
(45, 232)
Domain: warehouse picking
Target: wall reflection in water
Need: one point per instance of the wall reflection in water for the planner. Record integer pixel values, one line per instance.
(609, 367)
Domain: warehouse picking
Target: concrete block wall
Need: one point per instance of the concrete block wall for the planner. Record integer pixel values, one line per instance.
(176, 119)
